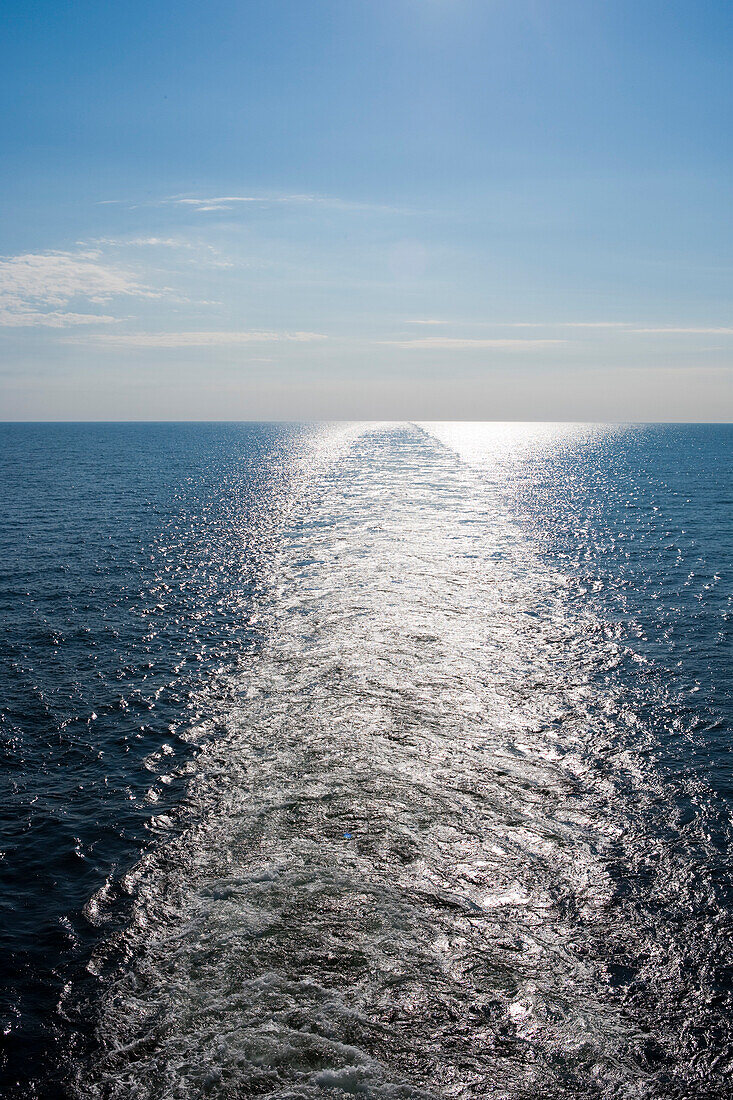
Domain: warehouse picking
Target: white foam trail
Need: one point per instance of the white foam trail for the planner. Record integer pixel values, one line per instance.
(393, 858)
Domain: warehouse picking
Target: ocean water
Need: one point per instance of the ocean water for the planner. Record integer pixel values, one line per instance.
(380, 760)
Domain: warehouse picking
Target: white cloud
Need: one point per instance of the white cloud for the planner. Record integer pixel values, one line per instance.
(195, 251)
(228, 202)
(204, 339)
(527, 324)
(521, 324)
(625, 327)
(427, 343)
(565, 324)
(223, 203)
(631, 327)
(19, 318)
(688, 331)
(35, 288)
(140, 242)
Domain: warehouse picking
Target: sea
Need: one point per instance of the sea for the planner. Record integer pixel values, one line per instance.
(388, 760)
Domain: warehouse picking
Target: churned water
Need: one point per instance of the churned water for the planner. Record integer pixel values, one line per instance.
(380, 760)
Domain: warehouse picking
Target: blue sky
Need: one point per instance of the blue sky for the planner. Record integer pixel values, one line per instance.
(366, 208)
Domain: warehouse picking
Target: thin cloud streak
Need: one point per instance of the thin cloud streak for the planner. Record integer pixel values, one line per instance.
(460, 343)
(688, 331)
(630, 327)
(521, 324)
(228, 202)
(55, 319)
(139, 242)
(203, 339)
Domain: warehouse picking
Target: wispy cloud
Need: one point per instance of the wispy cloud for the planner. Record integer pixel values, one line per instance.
(517, 324)
(563, 324)
(139, 242)
(36, 288)
(688, 331)
(204, 339)
(226, 202)
(461, 343)
(19, 318)
(631, 327)
(623, 326)
(192, 251)
(204, 204)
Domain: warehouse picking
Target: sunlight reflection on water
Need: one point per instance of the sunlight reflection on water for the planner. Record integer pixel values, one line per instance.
(414, 859)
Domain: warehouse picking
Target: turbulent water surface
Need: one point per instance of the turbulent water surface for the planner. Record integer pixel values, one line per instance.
(379, 760)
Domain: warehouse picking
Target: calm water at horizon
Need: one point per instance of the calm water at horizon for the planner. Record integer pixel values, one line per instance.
(389, 760)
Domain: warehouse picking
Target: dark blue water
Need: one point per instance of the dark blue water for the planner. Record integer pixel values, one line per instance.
(390, 760)
(124, 582)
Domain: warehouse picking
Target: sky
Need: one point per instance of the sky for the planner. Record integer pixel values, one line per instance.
(371, 209)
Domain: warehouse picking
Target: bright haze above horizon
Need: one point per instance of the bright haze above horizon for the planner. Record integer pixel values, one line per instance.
(273, 209)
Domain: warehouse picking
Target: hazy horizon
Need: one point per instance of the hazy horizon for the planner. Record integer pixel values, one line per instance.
(374, 421)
